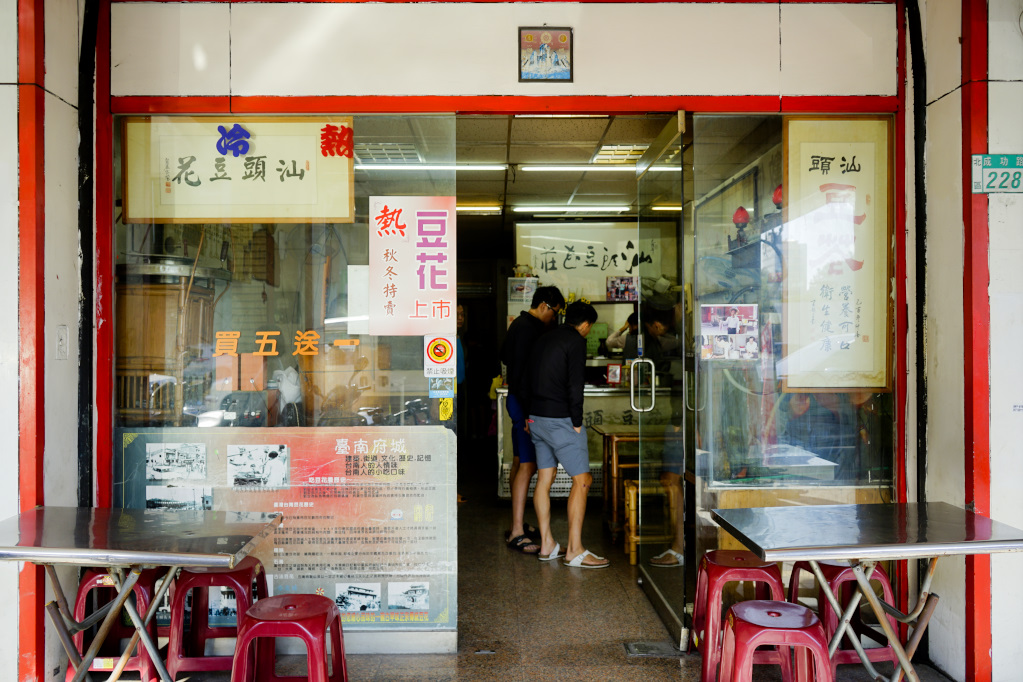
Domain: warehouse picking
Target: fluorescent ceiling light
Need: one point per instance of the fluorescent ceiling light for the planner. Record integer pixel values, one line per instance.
(478, 209)
(431, 167)
(665, 208)
(670, 169)
(621, 168)
(339, 320)
(560, 115)
(571, 209)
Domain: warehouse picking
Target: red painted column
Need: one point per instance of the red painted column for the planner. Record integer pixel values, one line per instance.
(977, 336)
(31, 328)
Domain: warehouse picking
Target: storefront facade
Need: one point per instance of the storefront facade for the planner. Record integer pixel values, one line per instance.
(241, 61)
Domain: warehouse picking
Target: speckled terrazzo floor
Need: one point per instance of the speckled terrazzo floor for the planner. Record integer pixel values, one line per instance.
(521, 619)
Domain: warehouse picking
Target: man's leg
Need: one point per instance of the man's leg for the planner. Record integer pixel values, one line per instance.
(519, 493)
(577, 512)
(672, 483)
(542, 505)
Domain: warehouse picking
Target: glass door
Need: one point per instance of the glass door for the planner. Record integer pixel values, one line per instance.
(655, 497)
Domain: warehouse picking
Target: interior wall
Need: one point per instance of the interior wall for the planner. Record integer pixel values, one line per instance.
(9, 312)
(281, 49)
(943, 327)
(1005, 216)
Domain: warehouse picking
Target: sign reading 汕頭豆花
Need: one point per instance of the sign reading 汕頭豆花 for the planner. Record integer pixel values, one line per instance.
(837, 264)
(412, 279)
(997, 173)
(230, 169)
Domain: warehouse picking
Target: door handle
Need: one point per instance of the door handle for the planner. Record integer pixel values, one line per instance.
(633, 380)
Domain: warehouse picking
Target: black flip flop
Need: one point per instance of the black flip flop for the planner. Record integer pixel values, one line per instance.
(532, 531)
(520, 542)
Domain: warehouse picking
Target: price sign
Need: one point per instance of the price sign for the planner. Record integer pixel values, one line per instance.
(993, 173)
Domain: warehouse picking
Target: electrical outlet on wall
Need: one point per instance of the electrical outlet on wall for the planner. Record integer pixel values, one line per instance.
(62, 342)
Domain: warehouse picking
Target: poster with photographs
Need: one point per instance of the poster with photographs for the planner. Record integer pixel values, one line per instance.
(621, 289)
(179, 497)
(257, 465)
(369, 512)
(413, 596)
(175, 461)
(356, 597)
(729, 332)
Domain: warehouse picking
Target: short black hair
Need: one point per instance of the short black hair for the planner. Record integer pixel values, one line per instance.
(633, 319)
(549, 295)
(579, 312)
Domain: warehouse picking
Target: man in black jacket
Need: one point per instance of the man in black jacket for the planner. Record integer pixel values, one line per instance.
(515, 353)
(556, 426)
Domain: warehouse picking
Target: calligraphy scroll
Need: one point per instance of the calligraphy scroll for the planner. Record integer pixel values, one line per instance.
(226, 169)
(836, 245)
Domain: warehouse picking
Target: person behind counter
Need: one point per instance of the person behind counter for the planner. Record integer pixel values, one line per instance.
(618, 338)
(515, 353)
(557, 366)
(658, 344)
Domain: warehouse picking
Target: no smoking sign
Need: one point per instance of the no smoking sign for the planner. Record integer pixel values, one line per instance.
(439, 356)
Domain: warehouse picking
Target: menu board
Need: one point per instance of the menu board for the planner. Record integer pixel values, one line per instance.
(369, 513)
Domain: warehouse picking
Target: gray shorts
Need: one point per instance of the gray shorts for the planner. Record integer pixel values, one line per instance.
(556, 441)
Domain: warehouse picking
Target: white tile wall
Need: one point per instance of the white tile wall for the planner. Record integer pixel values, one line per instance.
(838, 49)
(62, 39)
(1005, 216)
(169, 49)
(1005, 40)
(8, 41)
(8, 360)
(942, 27)
(62, 291)
(470, 49)
(944, 363)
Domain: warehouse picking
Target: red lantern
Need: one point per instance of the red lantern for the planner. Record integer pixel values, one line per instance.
(777, 196)
(740, 217)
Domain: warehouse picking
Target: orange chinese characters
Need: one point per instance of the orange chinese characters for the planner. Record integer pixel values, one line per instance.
(227, 343)
(267, 345)
(307, 343)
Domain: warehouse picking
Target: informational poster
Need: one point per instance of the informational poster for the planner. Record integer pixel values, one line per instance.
(180, 169)
(412, 277)
(836, 246)
(369, 513)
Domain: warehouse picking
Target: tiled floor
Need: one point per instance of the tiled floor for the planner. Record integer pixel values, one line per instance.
(521, 619)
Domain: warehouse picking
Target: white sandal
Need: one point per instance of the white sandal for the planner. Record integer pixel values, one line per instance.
(577, 562)
(679, 559)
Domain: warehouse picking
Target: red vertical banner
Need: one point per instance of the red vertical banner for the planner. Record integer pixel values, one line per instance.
(412, 278)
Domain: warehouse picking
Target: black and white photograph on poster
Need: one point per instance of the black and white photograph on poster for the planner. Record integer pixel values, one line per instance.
(442, 387)
(175, 461)
(179, 497)
(258, 466)
(352, 597)
(414, 596)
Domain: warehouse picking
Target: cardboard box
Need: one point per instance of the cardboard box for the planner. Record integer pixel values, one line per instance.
(253, 372)
(226, 374)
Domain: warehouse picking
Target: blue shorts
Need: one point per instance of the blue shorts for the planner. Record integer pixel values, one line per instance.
(522, 445)
(556, 442)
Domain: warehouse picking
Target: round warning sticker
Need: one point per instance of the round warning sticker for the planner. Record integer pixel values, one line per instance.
(439, 350)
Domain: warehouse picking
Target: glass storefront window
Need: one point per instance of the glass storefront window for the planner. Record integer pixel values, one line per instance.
(281, 345)
(756, 428)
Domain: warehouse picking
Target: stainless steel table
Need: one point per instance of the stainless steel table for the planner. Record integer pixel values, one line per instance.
(866, 534)
(126, 541)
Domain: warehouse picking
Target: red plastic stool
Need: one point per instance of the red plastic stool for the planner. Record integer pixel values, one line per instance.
(306, 616)
(94, 580)
(717, 568)
(188, 654)
(839, 575)
(756, 623)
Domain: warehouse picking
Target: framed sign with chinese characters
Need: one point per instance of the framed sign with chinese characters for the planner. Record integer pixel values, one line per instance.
(837, 309)
(412, 277)
(227, 169)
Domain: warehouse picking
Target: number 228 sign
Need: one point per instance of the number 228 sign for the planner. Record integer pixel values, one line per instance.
(995, 173)
(439, 356)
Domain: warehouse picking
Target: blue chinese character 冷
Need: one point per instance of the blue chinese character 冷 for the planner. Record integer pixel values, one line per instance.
(235, 140)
